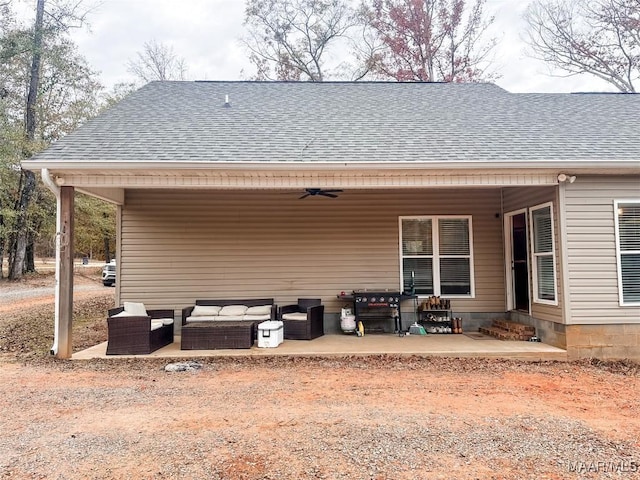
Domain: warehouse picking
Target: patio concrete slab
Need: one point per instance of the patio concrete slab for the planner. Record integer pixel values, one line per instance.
(351, 345)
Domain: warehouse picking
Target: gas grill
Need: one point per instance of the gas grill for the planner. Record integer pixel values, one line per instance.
(376, 307)
(367, 299)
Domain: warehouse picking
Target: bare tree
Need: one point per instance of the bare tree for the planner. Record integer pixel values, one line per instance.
(289, 39)
(430, 40)
(28, 180)
(157, 61)
(597, 37)
(33, 51)
(365, 52)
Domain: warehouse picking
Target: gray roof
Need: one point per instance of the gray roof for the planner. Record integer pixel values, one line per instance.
(354, 122)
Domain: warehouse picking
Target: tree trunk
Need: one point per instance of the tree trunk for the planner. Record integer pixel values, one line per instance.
(30, 260)
(20, 245)
(34, 81)
(107, 252)
(2, 244)
(29, 184)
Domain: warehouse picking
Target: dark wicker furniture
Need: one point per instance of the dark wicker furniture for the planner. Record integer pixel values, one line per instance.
(221, 334)
(133, 335)
(310, 326)
(217, 335)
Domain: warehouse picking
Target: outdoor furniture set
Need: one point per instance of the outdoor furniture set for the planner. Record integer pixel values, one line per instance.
(213, 324)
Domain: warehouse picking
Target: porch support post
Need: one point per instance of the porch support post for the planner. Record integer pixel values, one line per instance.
(65, 267)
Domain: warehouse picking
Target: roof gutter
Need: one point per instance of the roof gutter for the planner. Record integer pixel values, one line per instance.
(48, 181)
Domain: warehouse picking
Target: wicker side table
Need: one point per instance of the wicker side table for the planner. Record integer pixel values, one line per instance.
(217, 335)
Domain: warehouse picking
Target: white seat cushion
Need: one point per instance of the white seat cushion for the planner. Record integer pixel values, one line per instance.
(294, 316)
(156, 324)
(124, 314)
(166, 321)
(229, 318)
(257, 318)
(203, 318)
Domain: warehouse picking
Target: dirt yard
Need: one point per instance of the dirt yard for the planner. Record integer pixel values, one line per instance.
(286, 418)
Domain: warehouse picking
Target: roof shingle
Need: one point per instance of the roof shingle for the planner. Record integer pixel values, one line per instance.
(354, 122)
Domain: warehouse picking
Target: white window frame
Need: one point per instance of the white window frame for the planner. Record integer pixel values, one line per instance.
(435, 235)
(616, 207)
(534, 256)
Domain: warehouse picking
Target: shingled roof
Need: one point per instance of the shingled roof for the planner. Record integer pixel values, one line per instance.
(354, 122)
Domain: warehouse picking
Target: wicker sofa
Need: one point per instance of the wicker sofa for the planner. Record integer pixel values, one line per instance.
(226, 323)
(132, 333)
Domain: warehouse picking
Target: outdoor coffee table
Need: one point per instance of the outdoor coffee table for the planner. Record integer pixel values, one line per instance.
(217, 335)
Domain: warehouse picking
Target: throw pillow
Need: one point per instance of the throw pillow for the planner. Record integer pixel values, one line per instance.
(205, 310)
(260, 310)
(136, 309)
(233, 310)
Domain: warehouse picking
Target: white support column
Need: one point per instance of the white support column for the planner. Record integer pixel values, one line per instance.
(118, 253)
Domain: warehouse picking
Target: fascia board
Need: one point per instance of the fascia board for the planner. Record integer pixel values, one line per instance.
(124, 166)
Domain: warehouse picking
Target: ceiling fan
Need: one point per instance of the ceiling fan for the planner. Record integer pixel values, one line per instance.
(313, 192)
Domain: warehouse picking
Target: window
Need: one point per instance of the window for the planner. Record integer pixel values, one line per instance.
(544, 262)
(627, 214)
(436, 255)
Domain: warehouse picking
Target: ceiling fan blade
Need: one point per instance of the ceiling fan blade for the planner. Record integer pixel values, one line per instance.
(312, 192)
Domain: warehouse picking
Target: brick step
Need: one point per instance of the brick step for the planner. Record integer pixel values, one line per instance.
(501, 334)
(507, 330)
(513, 327)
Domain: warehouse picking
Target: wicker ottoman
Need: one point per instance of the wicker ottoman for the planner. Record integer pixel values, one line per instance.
(217, 335)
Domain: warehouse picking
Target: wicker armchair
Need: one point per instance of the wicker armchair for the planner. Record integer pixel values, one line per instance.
(132, 335)
(304, 320)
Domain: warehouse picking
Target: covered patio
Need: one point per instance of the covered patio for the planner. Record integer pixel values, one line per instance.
(241, 190)
(465, 345)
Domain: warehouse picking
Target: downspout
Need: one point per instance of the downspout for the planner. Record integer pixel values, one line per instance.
(48, 181)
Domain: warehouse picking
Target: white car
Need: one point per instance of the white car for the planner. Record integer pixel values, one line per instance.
(109, 274)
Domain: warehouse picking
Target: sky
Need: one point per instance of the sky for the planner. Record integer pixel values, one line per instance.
(207, 34)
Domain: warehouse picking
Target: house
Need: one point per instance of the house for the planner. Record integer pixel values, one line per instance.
(525, 205)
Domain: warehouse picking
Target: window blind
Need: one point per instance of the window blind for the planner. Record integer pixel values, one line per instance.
(628, 217)
(543, 261)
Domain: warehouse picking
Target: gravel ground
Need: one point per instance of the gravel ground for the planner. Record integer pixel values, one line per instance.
(298, 418)
(42, 286)
(356, 418)
(21, 294)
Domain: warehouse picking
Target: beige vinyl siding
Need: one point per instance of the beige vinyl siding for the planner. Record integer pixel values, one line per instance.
(179, 246)
(527, 197)
(591, 244)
